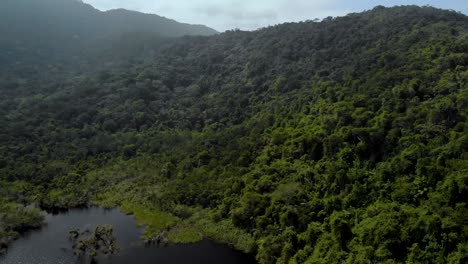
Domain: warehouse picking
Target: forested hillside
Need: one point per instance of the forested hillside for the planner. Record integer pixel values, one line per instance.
(340, 141)
(47, 32)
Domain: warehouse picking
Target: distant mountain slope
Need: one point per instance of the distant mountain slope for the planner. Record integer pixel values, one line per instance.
(129, 21)
(38, 30)
(78, 20)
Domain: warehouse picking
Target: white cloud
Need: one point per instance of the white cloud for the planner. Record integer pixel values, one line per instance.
(229, 14)
(252, 14)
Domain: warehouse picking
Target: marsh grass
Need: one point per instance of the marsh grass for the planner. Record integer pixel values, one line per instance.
(193, 229)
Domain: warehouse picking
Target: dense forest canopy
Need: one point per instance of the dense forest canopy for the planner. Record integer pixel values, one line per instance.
(340, 141)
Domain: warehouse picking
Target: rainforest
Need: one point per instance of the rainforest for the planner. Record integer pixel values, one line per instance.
(335, 141)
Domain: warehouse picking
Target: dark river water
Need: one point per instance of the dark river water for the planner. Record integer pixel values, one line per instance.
(50, 244)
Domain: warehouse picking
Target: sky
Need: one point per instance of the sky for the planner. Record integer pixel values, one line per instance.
(253, 14)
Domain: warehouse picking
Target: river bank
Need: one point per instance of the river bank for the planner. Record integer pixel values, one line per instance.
(51, 243)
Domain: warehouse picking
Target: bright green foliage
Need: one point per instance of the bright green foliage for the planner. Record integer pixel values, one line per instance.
(155, 221)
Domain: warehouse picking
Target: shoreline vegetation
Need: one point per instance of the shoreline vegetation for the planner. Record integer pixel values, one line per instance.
(191, 226)
(181, 225)
(15, 219)
(159, 228)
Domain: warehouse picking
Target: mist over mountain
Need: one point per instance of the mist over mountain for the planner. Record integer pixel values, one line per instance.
(45, 28)
(339, 141)
(78, 20)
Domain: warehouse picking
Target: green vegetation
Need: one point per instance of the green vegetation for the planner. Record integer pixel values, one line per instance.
(91, 244)
(181, 224)
(154, 220)
(341, 141)
(14, 219)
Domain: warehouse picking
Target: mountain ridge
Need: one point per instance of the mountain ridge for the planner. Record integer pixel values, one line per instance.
(85, 18)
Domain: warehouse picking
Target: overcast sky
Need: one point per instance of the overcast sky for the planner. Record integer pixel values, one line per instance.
(252, 14)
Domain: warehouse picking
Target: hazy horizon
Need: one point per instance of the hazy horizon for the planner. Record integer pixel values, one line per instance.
(250, 15)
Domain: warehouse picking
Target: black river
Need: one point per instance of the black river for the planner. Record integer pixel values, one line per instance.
(50, 244)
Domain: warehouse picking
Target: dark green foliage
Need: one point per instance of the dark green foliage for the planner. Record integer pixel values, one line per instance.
(14, 219)
(342, 141)
(92, 243)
